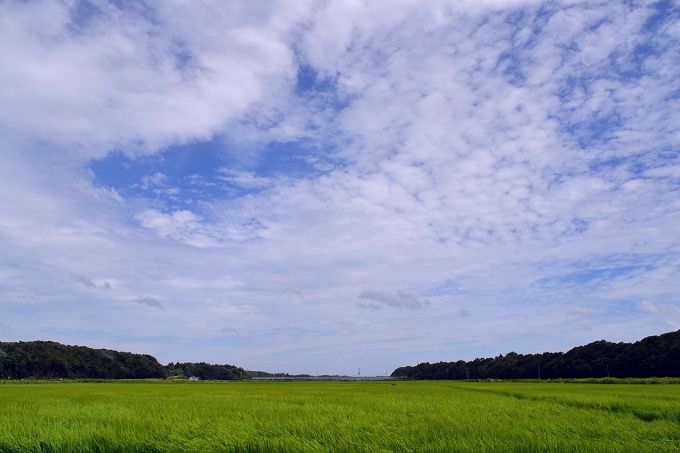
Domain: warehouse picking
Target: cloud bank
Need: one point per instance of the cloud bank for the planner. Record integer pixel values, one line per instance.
(509, 169)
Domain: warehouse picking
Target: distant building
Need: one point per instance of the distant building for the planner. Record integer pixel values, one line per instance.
(194, 378)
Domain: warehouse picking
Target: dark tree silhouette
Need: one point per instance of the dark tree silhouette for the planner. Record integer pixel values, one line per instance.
(654, 356)
(50, 360)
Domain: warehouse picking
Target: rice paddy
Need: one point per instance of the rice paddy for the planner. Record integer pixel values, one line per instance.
(338, 416)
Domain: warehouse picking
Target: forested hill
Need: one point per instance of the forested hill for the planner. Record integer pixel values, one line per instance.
(205, 371)
(653, 356)
(49, 360)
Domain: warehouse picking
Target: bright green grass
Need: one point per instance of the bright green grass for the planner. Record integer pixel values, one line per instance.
(338, 416)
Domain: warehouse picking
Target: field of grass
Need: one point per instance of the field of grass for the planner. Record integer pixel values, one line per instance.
(338, 416)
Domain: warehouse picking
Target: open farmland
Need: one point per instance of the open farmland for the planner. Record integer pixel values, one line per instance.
(338, 416)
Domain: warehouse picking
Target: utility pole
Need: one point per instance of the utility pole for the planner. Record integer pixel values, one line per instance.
(607, 370)
(359, 372)
(539, 371)
(467, 372)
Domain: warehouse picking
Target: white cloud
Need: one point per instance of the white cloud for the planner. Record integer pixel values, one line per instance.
(155, 180)
(666, 313)
(670, 171)
(182, 226)
(244, 179)
(581, 311)
(139, 78)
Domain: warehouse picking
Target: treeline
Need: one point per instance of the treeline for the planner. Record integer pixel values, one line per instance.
(653, 356)
(51, 360)
(205, 371)
(265, 374)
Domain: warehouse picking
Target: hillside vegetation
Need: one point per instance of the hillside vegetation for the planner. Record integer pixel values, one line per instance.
(50, 360)
(653, 356)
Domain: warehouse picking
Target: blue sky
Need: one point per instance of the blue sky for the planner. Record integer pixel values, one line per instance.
(317, 186)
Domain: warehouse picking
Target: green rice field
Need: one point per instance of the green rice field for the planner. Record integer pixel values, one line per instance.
(338, 416)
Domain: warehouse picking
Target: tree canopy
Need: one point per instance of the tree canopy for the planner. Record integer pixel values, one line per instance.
(51, 360)
(654, 356)
(205, 371)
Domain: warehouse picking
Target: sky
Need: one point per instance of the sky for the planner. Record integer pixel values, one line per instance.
(317, 186)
